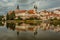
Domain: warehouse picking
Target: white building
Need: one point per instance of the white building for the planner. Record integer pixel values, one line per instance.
(43, 15)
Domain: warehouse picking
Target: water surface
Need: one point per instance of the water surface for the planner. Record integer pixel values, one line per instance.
(23, 31)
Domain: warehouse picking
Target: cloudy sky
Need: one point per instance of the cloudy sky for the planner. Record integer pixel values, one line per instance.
(6, 5)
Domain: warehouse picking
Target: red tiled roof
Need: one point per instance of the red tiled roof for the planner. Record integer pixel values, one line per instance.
(31, 11)
(23, 11)
(45, 11)
(20, 11)
(58, 9)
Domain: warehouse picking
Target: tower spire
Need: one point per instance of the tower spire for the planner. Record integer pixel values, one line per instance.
(17, 6)
(35, 8)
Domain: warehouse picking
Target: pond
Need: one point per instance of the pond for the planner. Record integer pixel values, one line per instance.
(28, 31)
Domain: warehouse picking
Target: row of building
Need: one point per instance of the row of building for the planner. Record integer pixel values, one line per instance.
(44, 14)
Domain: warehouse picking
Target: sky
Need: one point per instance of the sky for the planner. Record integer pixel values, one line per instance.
(6, 5)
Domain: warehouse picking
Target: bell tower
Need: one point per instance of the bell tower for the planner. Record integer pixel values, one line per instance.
(17, 7)
(35, 8)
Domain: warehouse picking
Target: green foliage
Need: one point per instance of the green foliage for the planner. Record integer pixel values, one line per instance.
(1, 18)
(7, 16)
(19, 18)
(55, 21)
(11, 25)
(11, 16)
(51, 19)
(33, 18)
(1, 24)
(55, 18)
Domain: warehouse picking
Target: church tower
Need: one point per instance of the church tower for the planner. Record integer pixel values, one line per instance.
(17, 7)
(35, 8)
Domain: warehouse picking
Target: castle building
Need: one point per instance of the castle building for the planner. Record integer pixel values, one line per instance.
(44, 15)
(26, 13)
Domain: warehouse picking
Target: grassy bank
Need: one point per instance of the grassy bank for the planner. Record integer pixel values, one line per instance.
(25, 21)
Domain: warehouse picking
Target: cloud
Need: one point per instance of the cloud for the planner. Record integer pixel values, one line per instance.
(47, 4)
(10, 4)
(5, 0)
(50, 9)
(28, 4)
(5, 3)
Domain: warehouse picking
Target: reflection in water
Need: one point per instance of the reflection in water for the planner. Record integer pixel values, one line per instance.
(29, 26)
(40, 31)
(33, 27)
(22, 27)
(10, 25)
(18, 33)
(35, 33)
(2, 23)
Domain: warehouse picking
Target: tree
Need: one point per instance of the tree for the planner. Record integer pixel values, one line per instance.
(7, 16)
(11, 25)
(51, 19)
(19, 18)
(55, 18)
(12, 16)
(1, 17)
(31, 18)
